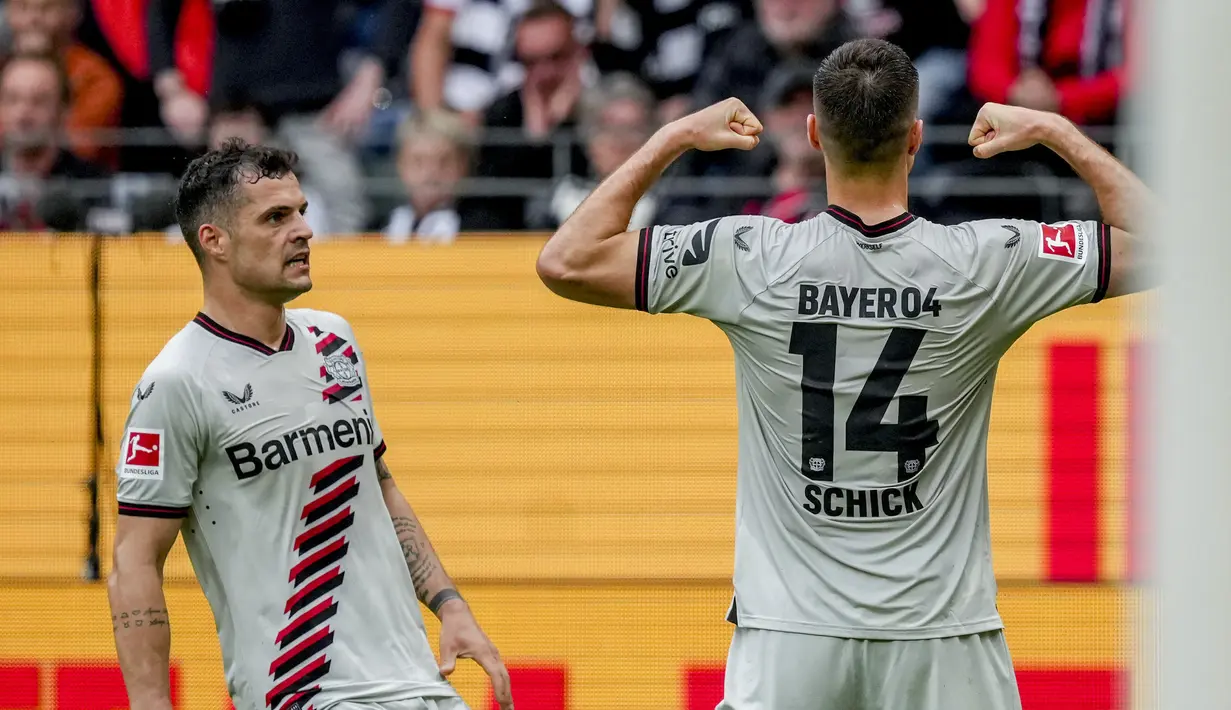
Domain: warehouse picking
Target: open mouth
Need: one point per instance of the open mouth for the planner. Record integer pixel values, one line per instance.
(301, 260)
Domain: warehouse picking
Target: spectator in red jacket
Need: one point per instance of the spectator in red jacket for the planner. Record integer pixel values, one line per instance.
(95, 89)
(1052, 55)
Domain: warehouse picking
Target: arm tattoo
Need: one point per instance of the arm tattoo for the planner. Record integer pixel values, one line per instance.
(382, 471)
(418, 559)
(139, 619)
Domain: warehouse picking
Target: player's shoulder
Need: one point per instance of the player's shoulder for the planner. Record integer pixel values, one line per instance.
(768, 236)
(974, 233)
(967, 244)
(178, 367)
(323, 321)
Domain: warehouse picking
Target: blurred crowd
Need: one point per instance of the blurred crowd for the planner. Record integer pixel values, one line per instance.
(420, 119)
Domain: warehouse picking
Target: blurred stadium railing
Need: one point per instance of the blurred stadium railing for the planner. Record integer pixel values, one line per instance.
(144, 198)
(574, 466)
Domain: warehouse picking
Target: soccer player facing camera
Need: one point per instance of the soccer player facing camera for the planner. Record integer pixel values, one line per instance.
(253, 435)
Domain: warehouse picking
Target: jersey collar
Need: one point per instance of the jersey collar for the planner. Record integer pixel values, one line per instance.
(879, 229)
(211, 325)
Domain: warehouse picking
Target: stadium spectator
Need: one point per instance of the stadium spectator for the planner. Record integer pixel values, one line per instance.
(800, 30)
(283, 55)
(799, 172)
(617, 116)
(95, 90)
(41, 186)
(463, 52)
(786, 31)
(664, 42)
(1065, 56)
(434, 154)
(1051, 55)
(543, 108)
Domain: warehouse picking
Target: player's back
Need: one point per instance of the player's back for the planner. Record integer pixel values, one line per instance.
(865, 362)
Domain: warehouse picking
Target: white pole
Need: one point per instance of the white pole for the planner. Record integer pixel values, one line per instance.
(1189, 109)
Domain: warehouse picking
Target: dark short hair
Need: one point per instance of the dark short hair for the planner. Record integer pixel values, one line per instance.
(57, 67)
(545, 8)
(209, 190)
(866, 96)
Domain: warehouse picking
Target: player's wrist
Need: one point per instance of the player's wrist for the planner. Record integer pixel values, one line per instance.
(445, 602)
(675, 137)
(1052, 130)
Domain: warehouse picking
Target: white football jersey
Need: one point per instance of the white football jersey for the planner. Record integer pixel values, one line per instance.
(270, 458)
(865, 358)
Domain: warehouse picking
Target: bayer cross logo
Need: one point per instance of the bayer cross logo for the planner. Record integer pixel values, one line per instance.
(912, 466)
(343, 370)
(339, 367)
(817, 464)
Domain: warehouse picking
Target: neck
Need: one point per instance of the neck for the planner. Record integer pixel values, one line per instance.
(34, 160)
(240, 312)
(874, 196)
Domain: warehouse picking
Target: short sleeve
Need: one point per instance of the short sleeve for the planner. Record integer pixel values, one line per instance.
(1037, 269)
(161, 449)
(710, 269)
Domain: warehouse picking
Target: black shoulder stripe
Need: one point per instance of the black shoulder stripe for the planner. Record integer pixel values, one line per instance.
(641, 278)
(1104, 262)
(145, 510)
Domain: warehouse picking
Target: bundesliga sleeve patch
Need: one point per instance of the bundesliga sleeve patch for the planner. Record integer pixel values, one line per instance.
(1064, 242)
(142, 455)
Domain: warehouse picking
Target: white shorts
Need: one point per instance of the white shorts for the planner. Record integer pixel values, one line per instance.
(775, 670)
(414, 704)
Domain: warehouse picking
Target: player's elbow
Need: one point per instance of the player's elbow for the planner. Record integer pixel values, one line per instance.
(556, 269)
(113, 582)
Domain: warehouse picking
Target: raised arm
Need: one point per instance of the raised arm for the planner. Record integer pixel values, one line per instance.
(460, 635)
(431, 50)
(1122, 197)
(139, 609)
(591, 258)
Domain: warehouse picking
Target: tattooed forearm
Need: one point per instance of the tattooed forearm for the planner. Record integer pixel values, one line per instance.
(419, 555)
(382, 471)
(427, 574)
(139, 619)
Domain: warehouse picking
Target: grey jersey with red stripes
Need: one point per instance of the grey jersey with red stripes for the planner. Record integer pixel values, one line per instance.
(865, 358)
(270, 458)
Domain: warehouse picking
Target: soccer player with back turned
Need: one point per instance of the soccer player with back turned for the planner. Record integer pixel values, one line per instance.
(253, 435)
(866, 342)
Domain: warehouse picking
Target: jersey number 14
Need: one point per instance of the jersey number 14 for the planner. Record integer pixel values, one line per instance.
(910, 437)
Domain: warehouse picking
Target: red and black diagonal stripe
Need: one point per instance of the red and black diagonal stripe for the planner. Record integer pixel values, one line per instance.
(304, 642)
(327, 346)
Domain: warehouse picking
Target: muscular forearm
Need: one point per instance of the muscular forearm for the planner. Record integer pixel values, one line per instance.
(608, 210)
(142, 635)
(1122, 197)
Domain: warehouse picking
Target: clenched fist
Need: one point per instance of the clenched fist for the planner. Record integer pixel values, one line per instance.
(725, 125)
(1000, 129)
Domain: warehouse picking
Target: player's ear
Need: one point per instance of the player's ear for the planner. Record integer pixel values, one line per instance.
(212, 239)
(915, 138)
(814, 133)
